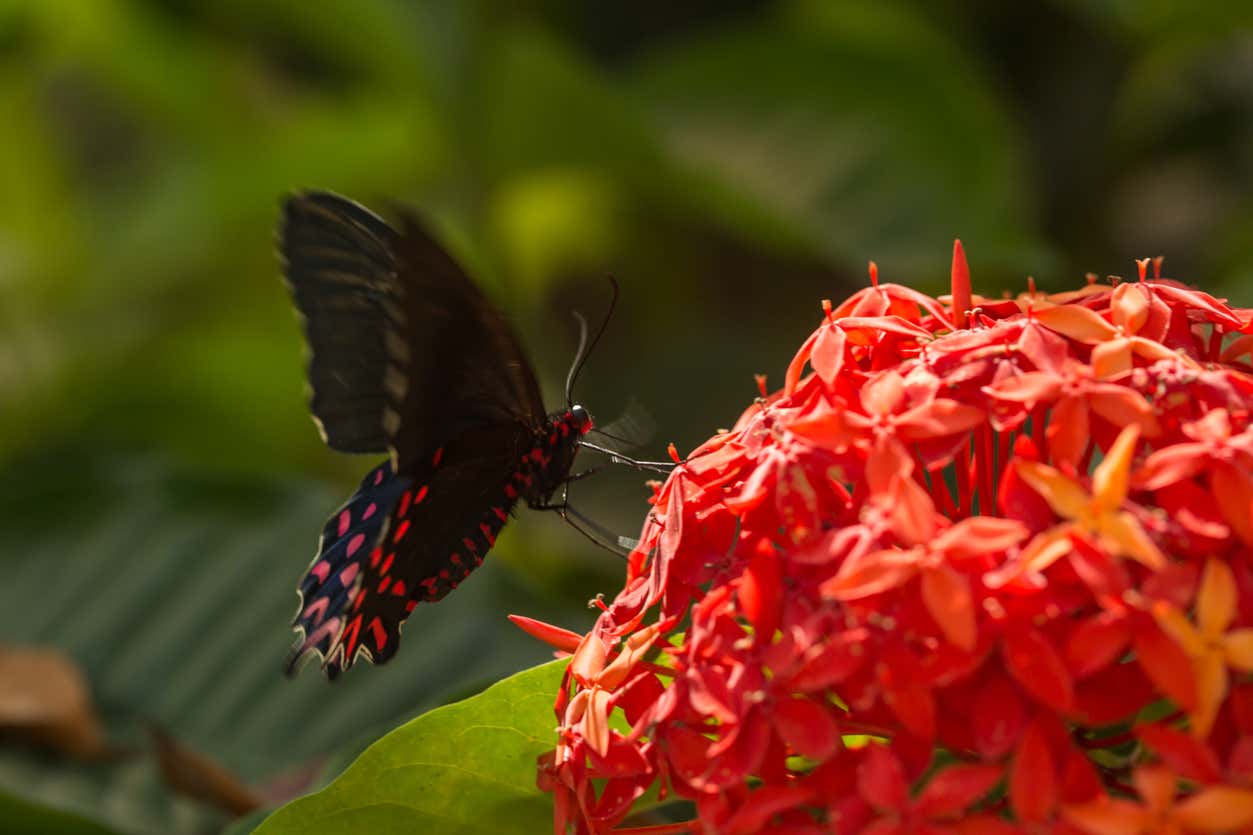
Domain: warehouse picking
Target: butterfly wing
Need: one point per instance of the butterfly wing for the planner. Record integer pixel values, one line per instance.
(340, 268)
(406, 350)
(465, 367)
(433, 541)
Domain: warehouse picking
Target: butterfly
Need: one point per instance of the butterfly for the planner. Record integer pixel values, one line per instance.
(408, 358)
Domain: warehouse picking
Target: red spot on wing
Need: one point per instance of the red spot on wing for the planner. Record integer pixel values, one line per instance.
(401, 531)
(421, 494)
(410, 606)
(399, 589)
(387, 581)
(511, 491)
(403, 507)
(439, 453)
(387, 563)
(351, 637)
(380, 634)
(470, 544)
(375, 556)
(488, 534)
(455, 558)
(500, 514)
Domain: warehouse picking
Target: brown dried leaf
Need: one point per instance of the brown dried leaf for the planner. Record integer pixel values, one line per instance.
(45, 700)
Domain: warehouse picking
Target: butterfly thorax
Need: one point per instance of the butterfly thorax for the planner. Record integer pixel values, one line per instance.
(546, 465)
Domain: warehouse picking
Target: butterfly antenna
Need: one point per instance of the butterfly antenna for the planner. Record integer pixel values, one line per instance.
(586, 348)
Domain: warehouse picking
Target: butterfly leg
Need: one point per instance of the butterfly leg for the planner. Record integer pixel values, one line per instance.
(618, 458)
(590, 471)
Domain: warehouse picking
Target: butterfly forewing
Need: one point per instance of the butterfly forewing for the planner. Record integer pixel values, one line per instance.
(341, 271)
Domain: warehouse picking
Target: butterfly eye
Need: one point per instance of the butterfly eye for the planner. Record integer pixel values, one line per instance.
(582, 420)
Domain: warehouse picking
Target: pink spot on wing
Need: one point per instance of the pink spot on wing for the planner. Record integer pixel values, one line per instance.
(369, 511)
(378, 478)
(321, 569)
(349, 573)
(345, 519)
(315, 610)
(328, 628)
(354, 544)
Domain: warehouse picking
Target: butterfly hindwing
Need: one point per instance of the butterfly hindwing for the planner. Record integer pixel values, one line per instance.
(348, 539)
(439, 529)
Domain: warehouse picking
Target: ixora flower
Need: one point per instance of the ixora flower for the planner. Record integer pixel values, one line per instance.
(980, 566)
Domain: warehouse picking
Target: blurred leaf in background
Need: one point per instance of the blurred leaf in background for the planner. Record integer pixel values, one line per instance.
(730, 163)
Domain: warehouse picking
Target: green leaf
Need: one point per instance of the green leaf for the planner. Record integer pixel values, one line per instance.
(29, 819)
(175, 594)
(858, 126)
(463, 768)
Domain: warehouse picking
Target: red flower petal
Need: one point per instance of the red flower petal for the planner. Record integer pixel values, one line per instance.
(807, 728)
(1165, 663)
(827, 358)
(947, 597)
(1034, 663)
(761, 592)
(1096, 642)
(1183, 754)
(999, 714)
(1032, 781)
(881, 779)
(955, 788)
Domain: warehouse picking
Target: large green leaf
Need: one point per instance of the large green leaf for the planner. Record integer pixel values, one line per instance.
(175, 595)
(463, 768)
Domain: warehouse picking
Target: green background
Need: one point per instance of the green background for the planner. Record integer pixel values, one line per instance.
(731, 163)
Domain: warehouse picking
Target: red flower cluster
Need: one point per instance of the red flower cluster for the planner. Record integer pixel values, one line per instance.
(986, 567)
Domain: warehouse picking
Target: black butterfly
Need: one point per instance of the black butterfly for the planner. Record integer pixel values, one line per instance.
(409, 358)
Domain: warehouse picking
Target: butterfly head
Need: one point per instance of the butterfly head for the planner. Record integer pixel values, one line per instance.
(580, 420)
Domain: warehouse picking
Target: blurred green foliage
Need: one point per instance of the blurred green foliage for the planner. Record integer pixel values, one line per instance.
(731, 163)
